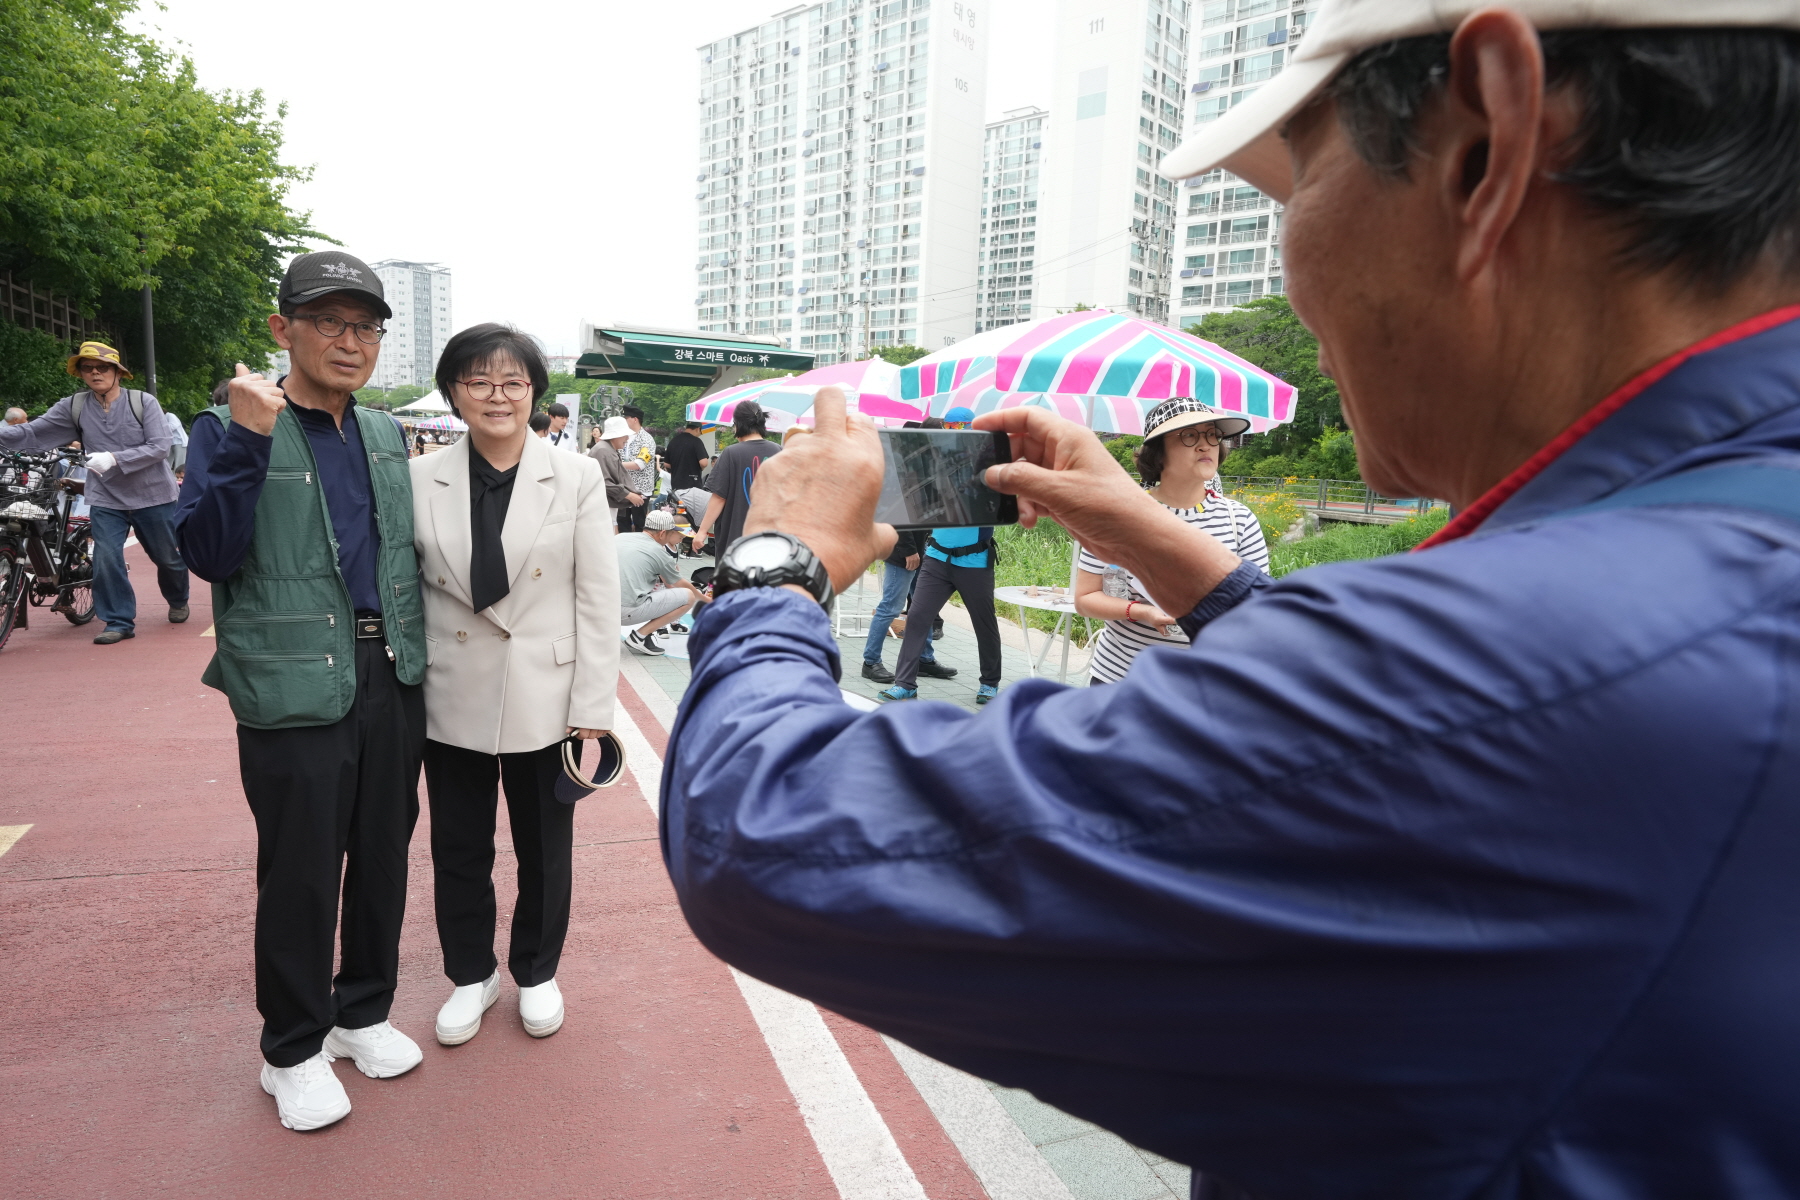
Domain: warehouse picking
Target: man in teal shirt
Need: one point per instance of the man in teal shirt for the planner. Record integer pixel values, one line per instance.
(960, 561)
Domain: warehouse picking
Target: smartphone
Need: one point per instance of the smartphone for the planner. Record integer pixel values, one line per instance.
(934, 479)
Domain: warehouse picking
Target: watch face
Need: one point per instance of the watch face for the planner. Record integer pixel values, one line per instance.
(760, 551)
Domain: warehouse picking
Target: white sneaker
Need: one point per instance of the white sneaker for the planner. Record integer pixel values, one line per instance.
(460, 1018)
(541, 1008)
(308, 1096)
(379, 1051)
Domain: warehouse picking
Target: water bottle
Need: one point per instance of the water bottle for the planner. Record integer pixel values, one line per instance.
(1115, 583)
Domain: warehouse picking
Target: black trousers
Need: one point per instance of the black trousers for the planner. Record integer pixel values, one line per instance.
(631, 520)
(461, 784)
(931, 591)
(322, 796)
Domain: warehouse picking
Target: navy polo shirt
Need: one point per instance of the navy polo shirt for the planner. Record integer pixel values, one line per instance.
(226, 468)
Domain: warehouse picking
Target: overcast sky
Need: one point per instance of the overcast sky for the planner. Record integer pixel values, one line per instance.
(544, 150)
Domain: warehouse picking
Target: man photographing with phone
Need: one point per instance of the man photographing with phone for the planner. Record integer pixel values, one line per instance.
(1410, 877)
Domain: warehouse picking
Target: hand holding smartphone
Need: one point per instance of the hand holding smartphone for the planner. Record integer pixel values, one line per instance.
(935, 479)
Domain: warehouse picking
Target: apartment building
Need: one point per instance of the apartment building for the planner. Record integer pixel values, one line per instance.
(1005, 258)
(1230, 233)
(840, 175)
(419, 294)
(1107, 228)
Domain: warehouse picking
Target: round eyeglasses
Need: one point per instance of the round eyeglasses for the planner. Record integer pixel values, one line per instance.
(483, 389)
(367, 332)
(1193, 435)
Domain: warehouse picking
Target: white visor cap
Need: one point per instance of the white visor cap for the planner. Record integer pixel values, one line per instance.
(1247, 140)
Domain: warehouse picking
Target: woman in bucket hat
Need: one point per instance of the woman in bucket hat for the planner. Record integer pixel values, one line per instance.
(1179, 460)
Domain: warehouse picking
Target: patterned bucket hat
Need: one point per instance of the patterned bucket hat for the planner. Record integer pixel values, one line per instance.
(100, 351)
(1182, 411)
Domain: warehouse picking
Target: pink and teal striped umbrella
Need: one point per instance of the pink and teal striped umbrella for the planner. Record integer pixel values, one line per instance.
(1103, 369)
(870, 385)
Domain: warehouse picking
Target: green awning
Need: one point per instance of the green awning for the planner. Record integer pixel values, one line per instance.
(645, 356)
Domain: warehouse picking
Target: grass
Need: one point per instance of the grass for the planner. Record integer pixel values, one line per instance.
(1344, 542)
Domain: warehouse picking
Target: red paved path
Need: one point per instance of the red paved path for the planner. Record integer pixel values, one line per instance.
(125, 938)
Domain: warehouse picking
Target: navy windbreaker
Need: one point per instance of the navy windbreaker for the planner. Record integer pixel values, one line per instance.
(1471, 873)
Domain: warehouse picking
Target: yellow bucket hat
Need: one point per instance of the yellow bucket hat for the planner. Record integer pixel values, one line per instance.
(100, 351)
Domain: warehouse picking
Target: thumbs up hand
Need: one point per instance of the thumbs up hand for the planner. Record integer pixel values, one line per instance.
(255, 401)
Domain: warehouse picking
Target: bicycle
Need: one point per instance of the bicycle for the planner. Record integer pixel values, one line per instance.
(45, 549)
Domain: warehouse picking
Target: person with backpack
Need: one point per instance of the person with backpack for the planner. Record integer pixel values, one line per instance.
(129, 484)
(960, 561)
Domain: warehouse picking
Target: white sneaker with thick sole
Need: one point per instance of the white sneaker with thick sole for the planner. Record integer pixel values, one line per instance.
(541, 1009)
(379, 1051)
(308, 1096)
(460, 1018)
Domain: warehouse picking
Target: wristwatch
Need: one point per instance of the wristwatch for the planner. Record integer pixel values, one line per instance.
(771, 560)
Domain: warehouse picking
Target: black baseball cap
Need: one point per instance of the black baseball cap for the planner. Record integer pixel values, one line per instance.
(326, 271)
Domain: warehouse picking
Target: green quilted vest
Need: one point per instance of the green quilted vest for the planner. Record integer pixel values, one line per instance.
(285, 626)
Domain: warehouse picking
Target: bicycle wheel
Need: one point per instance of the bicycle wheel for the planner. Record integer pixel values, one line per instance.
(14, 575)
(77, 598)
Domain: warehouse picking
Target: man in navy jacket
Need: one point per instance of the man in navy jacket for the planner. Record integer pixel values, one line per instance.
(1471, 873)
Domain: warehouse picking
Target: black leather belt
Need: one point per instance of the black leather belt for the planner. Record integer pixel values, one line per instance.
(369, 627)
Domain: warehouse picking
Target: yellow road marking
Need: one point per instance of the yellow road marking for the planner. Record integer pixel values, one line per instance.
(209, 631)
(10, 834)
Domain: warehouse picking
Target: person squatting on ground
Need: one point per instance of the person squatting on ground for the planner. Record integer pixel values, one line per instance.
(639, 458)
(732, 475)
(1178, 460)
(298, 509)
(898, 571)
(1468, 872)
(515, 547)
(652, 588)
(129, 485)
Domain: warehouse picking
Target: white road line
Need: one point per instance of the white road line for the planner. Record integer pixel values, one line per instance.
(996, 1149)
(10, 834)
(131, 541)
(854, 1141)
(859, 1150)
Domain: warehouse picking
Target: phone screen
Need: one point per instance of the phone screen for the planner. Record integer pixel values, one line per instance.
(932, 479)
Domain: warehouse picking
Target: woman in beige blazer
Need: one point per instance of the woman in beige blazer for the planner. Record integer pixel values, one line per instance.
(522, 649)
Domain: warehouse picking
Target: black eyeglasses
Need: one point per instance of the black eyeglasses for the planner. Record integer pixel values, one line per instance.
(367, 332)
(483, 389)
(1193, 435)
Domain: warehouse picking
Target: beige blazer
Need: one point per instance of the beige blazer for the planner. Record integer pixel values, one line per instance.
(515, 676)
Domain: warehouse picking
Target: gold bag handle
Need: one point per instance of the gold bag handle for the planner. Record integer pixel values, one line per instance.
(572, 765)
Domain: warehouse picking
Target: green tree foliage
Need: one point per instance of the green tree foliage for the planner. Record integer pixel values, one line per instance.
(118, 170)
(1267, 333)
(1124, 448)
(33, 369)
(900, 355)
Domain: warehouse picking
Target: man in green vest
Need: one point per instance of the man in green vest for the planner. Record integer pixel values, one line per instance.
(297, 506)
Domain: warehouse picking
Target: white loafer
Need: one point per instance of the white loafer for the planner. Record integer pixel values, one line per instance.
(541, 1009)
(460, 1018)
(307, 1096)
(379, 1051)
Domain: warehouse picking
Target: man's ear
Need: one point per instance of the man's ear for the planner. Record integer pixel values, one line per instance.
(1496, 139)
(278, 329)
